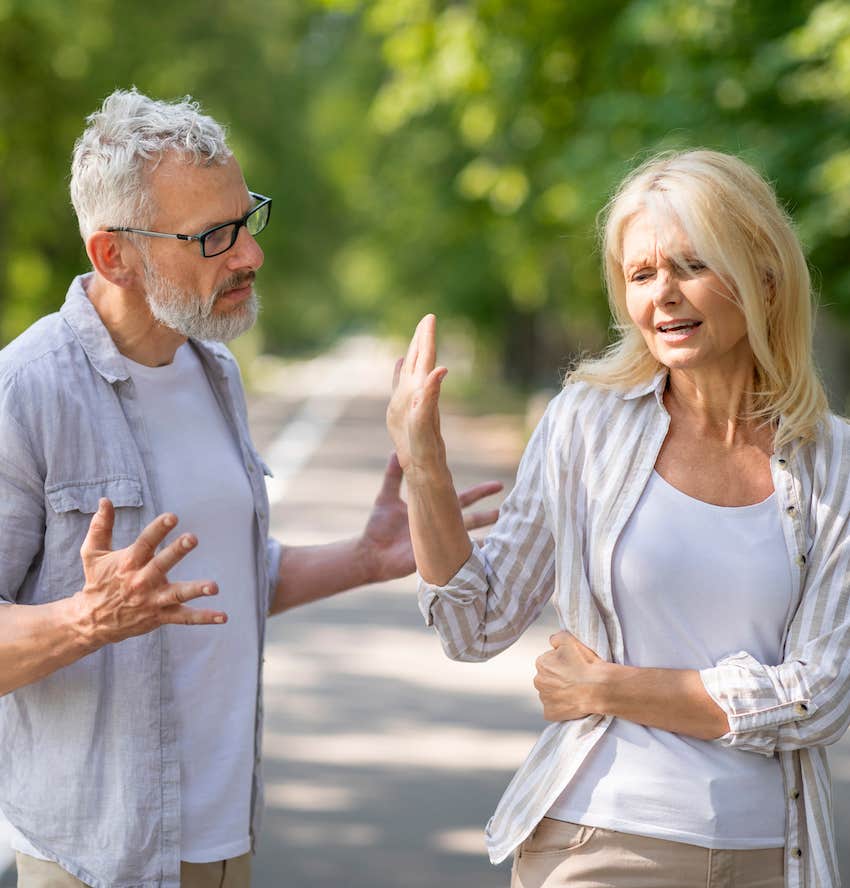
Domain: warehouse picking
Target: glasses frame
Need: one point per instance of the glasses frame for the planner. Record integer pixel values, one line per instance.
(203, 235)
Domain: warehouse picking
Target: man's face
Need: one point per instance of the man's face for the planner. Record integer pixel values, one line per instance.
(206, 298)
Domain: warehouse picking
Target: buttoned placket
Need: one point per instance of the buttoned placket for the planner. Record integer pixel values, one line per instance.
(795, 539)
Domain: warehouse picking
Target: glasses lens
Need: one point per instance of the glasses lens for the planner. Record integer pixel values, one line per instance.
(259, 218)
(220, 239)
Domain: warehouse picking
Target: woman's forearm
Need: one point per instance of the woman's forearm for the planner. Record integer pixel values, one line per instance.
(674, 700)
(574, 682)
(441, 544)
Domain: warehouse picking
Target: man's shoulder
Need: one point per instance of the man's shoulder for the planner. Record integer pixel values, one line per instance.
(41, 342)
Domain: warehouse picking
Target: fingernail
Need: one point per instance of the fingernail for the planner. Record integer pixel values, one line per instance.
(187, 543)
(207, 590)
(169, 521)
(220, 619)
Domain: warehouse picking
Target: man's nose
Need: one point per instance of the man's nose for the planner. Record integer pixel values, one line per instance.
(246, 252)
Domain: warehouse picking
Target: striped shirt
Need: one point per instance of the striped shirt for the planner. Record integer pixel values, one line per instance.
(579, 481)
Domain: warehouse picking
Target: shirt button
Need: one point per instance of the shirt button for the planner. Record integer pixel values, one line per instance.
(801, 560)
(794, 795)
(796, 852)
(781, 461)
(801, 709)
(791, 510)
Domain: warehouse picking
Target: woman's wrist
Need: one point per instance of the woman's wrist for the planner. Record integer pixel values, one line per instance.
(601, 689)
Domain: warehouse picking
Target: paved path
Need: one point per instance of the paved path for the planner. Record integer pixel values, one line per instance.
(383, 758)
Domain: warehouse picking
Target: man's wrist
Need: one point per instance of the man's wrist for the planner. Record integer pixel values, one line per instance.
(79, 619)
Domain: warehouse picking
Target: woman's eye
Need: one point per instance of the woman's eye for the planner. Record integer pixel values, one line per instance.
(640, 276)
(696, 267)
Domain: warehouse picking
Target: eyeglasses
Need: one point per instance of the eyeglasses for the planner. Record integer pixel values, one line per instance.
(220, 238)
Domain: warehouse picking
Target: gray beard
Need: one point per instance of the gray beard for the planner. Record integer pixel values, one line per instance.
(190, 314)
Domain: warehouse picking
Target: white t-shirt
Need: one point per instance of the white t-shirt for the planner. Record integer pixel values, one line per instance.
(200, 476)
(692, 583)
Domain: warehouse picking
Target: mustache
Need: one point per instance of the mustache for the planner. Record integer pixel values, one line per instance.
(235, 282)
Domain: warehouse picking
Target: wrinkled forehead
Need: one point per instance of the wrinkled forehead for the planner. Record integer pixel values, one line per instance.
(655, 230)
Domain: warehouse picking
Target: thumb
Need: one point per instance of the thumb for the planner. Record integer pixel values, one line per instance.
(99, 536)
(560, 638)
(391, 486)
(434, 382)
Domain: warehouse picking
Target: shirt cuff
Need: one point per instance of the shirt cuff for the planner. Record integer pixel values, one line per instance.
(461, 590)
(273, 554)
(755, 704)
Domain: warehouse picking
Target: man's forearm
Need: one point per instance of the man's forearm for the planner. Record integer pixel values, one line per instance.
(674, 700)
(308, 573)
(37, 640)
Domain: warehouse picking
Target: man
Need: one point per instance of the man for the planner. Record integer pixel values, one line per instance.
(131, 720)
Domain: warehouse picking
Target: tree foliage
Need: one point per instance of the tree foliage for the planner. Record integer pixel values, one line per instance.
(424, 155)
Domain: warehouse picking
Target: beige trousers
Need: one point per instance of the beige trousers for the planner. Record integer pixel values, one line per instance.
(232, 873)
(560, 854)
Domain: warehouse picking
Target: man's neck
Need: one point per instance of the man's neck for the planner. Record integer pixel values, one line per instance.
(134, 330)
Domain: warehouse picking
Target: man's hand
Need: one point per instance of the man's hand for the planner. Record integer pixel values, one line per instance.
(127, 592)
(387, 534)
(566, 678)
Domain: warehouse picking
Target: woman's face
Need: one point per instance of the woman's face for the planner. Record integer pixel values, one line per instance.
(689, 318)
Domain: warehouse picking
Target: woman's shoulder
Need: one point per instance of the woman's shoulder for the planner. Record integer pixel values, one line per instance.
(587, 406)
(833, 438)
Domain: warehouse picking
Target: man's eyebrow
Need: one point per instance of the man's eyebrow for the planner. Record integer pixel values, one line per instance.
(208, 225)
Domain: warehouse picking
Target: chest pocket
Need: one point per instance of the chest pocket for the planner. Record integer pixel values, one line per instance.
(71, 507)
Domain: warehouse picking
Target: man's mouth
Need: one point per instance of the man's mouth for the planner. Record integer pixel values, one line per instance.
(236, 288)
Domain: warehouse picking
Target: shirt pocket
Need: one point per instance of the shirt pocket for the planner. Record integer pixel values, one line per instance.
(71, 506)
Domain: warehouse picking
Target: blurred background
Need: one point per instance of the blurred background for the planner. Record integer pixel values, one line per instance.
(422, 156)
(436, 156)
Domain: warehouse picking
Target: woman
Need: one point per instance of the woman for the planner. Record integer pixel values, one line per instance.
(685, 500)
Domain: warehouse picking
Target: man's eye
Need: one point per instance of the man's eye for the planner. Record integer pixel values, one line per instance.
(696, 267)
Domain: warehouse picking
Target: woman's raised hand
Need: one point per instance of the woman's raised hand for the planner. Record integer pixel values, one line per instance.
(413, 415)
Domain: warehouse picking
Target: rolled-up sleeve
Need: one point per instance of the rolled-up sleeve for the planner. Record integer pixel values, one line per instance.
(803, 701)
(505, 583)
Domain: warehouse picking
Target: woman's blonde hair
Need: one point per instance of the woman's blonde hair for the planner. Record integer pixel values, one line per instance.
(737, 228)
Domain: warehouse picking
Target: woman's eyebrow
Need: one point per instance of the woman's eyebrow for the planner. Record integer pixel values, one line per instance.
(637, 262)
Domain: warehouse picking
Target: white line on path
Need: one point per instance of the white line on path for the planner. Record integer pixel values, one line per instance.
(357, 366)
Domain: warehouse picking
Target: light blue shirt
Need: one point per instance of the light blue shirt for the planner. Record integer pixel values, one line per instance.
(90, 773)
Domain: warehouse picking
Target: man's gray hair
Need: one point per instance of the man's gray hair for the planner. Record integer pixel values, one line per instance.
(123, 142)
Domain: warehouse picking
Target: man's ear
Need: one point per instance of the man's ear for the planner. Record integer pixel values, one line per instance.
(115, 259)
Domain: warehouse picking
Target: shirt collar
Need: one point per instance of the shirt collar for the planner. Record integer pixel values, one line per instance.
(657, 385)
(83, 319)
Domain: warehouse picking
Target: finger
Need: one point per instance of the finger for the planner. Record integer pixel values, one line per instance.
(560, 638)
(391, 487)
(478, 492)
(397, 372)
(474, 520)
(174, 552)
(148, 541)
(99, 536)
(179, 593)
(193, 616)
(427, 356)
(412, 351)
